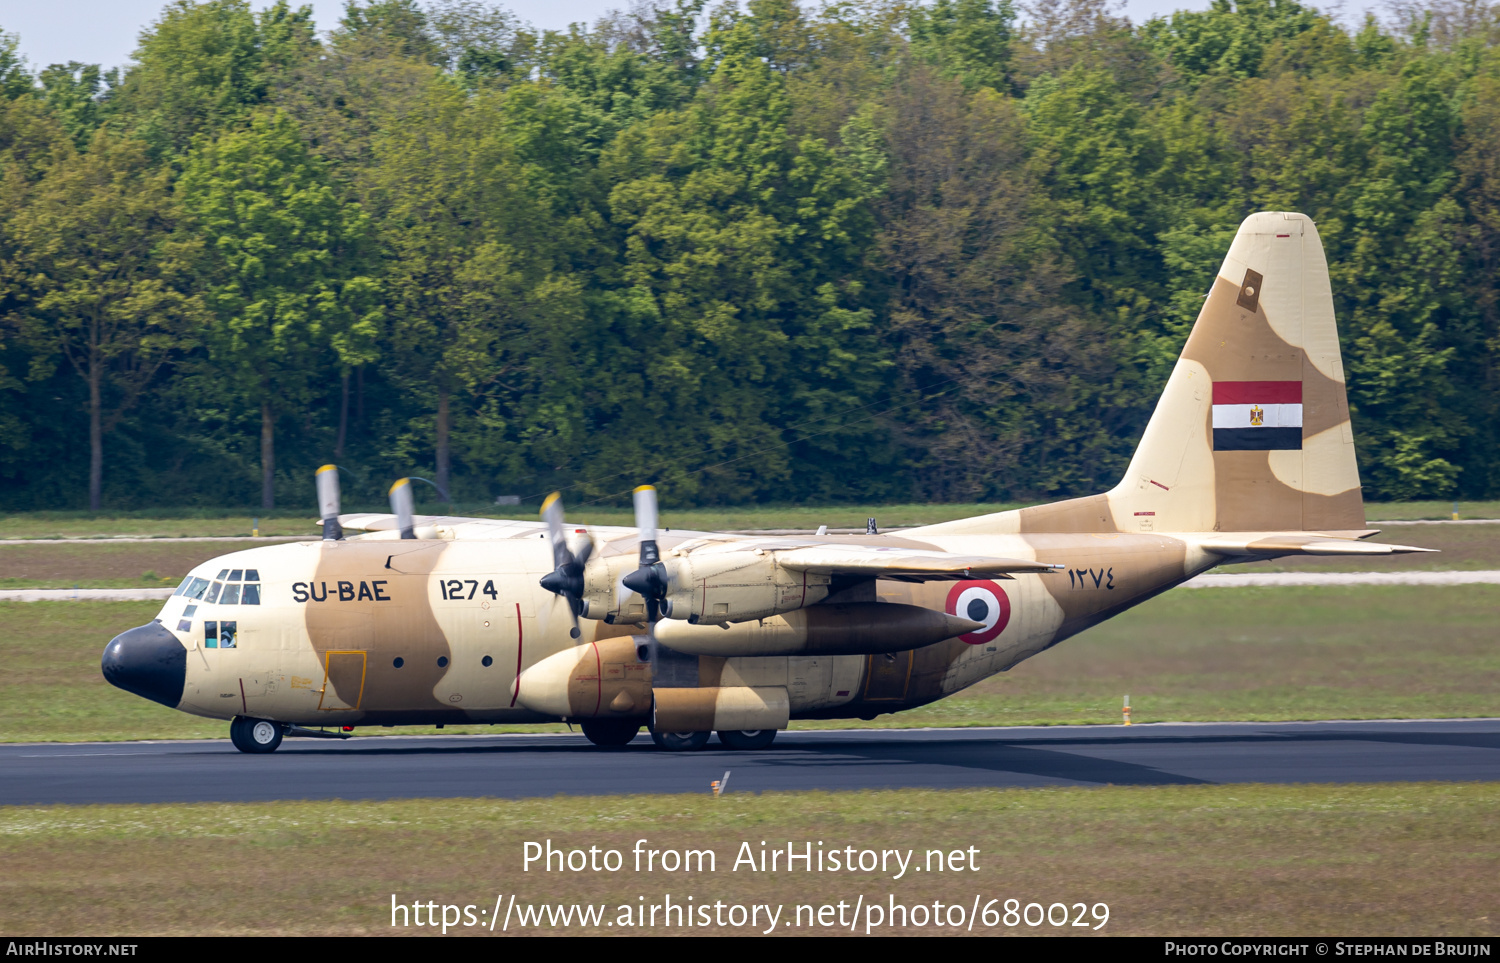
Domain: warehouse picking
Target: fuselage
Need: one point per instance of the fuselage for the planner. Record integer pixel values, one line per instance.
(375, 630)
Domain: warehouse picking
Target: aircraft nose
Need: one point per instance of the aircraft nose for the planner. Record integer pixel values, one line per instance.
(148, 661)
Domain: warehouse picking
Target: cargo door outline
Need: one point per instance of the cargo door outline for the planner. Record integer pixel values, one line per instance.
(887, 680)
(341, 662)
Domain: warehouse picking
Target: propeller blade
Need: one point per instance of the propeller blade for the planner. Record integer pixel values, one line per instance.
(566, 578)
(401, 506)
(552, 514)
(645, 515)
(327, 481)
(650, 580)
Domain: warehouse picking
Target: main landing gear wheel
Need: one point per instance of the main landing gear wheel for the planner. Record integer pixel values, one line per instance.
(679, 741)
(609, 733)
(747, 738)
(255, 735)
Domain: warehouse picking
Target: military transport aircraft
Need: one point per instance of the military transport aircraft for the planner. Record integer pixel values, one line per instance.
(445, 620)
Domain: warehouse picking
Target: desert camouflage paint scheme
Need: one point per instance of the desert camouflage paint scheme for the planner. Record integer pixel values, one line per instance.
(453, 627)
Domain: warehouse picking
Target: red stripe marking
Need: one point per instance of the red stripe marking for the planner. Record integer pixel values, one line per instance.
(598, 679)
(1160, 485)
(243, 706)
(516, 689)
(1145, 513)
(1257, 392)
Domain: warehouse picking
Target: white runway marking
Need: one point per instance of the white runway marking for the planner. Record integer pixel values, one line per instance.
(132, 539)
(1214, 580)
(87, 595)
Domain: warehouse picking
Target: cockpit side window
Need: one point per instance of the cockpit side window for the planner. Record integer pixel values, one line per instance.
(231, 595)
(186, 581)
(213, 592)
(195, 590)
(252, 594)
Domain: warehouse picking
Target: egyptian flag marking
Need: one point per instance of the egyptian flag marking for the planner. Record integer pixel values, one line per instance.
(1257, 415)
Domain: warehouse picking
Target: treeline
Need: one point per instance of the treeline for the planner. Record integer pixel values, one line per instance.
(877, 251)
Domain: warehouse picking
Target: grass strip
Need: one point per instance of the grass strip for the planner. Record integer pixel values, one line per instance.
(1388, 859)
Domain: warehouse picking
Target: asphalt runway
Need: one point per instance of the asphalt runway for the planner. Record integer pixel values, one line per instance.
(546, 765)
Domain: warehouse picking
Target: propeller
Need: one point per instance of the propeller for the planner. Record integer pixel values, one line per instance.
(401, 506)
(651, 580)
(566, 578)
(327, 480)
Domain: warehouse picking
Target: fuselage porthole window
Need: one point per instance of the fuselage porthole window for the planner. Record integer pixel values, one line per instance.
(210, 634)
(227, 634)
(252, 594)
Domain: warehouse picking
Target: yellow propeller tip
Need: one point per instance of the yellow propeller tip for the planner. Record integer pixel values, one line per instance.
(644, 488)
(326, 468)
(399, 483)
(547, 502)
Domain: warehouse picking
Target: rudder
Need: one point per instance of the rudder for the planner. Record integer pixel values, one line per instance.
(1252, 431)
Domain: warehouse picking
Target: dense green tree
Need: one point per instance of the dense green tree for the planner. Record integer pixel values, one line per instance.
(205, 65)
(281, 256)
(762, 251)
(468, 267)
(97, 289)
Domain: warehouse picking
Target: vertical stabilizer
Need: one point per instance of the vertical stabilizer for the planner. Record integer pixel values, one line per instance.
(1252, 432)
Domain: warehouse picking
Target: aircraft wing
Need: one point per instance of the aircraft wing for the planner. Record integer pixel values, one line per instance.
(1297, 543)
(903, 564)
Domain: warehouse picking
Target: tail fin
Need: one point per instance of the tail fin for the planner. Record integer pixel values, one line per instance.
(1252, 432)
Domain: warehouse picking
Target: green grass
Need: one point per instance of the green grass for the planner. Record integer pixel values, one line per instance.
(1439, 510)
(1397, 859)
(1353, 652)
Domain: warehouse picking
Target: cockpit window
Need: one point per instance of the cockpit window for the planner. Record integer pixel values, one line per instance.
(235, 575)
(220, 635)
(222, 572)
(195, 590)
(252, 594)
(231, 595)
(186, 581)
(252, 575)
(213, 592)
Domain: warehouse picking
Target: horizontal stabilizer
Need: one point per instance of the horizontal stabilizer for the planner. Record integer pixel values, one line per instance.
(906, 565)
(1298, 543)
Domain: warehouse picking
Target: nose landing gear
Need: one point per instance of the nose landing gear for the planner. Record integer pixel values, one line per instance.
(609, 733)
(255, 735)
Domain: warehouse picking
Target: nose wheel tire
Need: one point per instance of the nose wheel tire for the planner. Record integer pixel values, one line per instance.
(255, 735)
(679, 741)
(609, 733)
(747, 738)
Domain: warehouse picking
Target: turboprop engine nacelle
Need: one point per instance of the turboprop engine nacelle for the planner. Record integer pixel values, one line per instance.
(599, 680)
(854, 628)
(604, 680)
(704, 587)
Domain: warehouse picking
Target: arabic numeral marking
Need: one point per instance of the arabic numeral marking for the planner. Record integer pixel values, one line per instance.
(489, 589)
(455, 589)
(473, 587)
(443, 587)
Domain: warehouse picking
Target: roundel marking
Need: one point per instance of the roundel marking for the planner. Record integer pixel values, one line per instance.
(981, 601)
